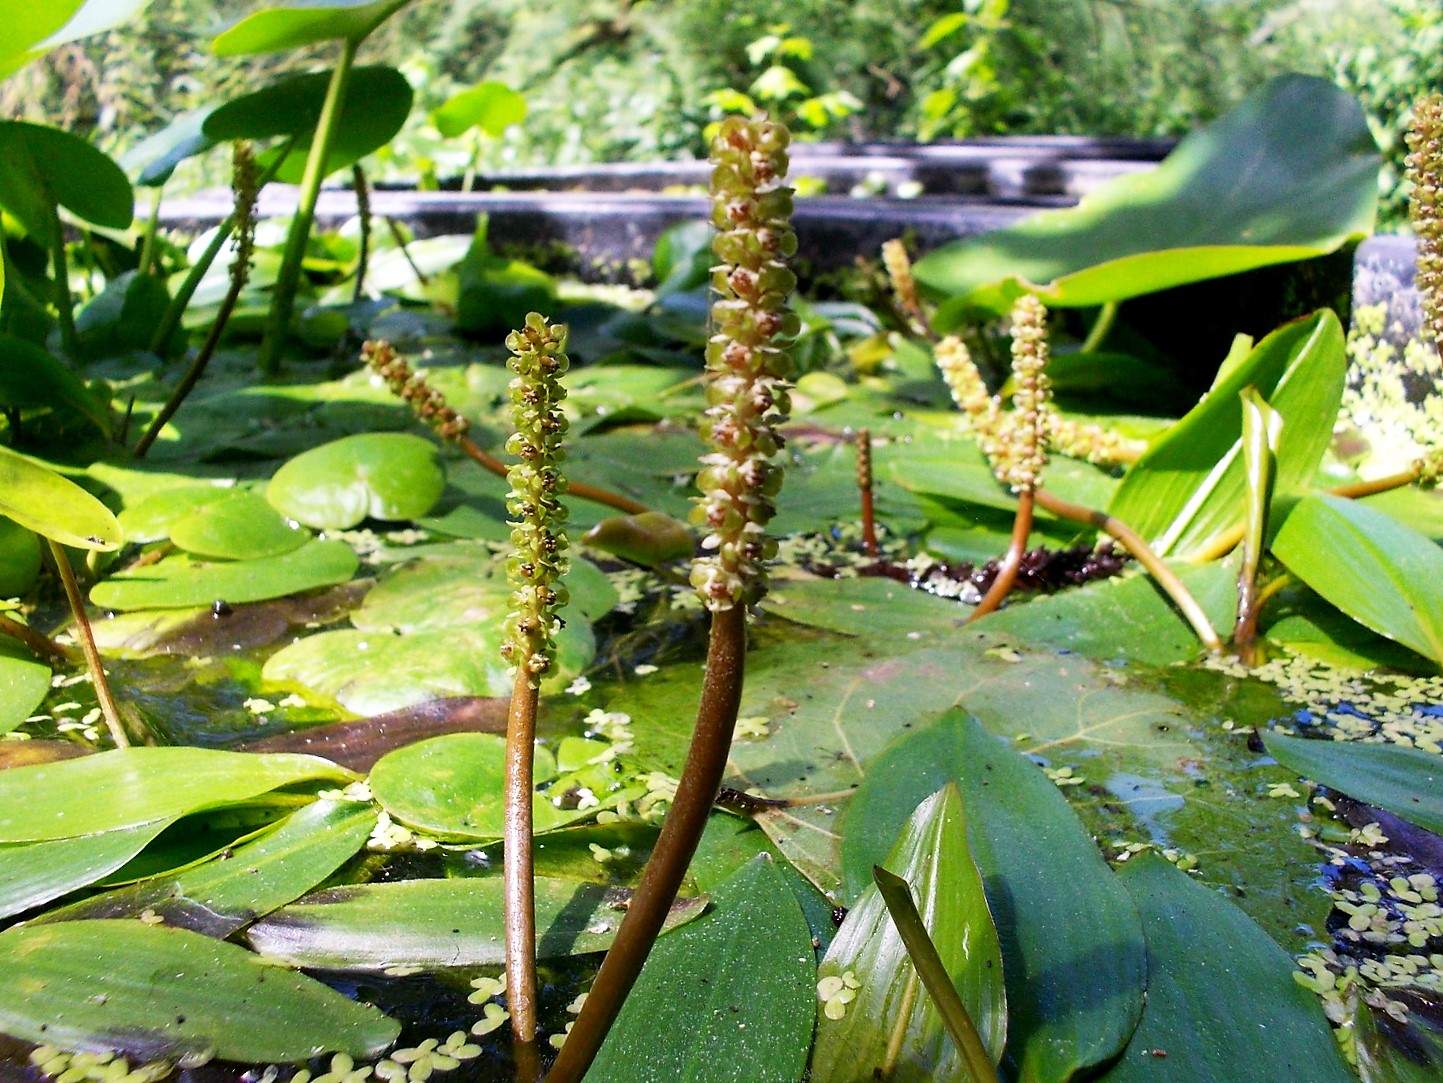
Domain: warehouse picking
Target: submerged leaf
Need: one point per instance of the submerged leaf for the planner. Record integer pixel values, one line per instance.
(888, 1028)
(728, 998)
(159, 993)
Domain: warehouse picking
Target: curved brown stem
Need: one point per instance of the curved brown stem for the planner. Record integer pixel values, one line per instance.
(1357, 489)
(518, 865)
(700, 782)
(108, 708)
(1011, 561)
(36, 640)
(1133, 542)
(593, 493)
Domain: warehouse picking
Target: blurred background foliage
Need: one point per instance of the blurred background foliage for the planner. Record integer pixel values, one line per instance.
(613, 80)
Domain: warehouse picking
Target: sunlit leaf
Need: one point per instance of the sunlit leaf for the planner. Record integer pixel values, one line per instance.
(442, 923)
(291, 26)
(1289, 174)
(34, 27)
(46, 167)
(19, 559)
(130, 786)
(221, 896)
(1408, 782)
(32, 873)
(1221, 1000)
(385, 475)
(890, 1028)
(178, 582)
(1382, 574)
(24, 683)
(1190, 486)
(54, 507)
(728, 998)
(171, 993)
(493, 107)
(648, 539)
(238, 525)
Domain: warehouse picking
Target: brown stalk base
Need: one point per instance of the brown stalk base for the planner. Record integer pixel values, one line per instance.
(518, 865)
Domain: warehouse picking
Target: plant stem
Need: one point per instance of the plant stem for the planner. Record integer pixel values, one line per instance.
(363, 214)
(87, 643)
(864, 486)
(152, 227)
(578, 489)
(700, 782)
(283, 299)
(402, 244)
(1133, 542)
(1101, 327)
(519, 865)
(1012, 561)
(36, 640)
(64, 303)
(1356, 489)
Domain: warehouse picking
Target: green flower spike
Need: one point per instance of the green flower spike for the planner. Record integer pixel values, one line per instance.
(1425, 204)
(746, 396)
(538, 359)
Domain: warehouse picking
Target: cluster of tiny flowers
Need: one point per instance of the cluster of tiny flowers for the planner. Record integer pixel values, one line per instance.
(245, 187)
(538, 562)
(1091, 443)
(428, 403)
(1425, 171)
(969, 391)
(904, 285)
(1018, 462)
(746, 396)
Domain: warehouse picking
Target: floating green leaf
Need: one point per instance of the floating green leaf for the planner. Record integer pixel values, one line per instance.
(293, 26)
(130, 786)
(1408, 782)
(24, 683)
(1221, 1000)
(32, 873)
(442, 923)
(377, 102)
(493, 107)
(31, 376)
(178, 582)
(452, 786)
(648, 539)
(728, 998)
(1382, 574)
(170, 993)
(890, 1029)
(1071, 943)
(1190, 486)
(387, 475)
(54, 507)
(221, 896)
(1289, 174)
(237, 525)
(46, 167)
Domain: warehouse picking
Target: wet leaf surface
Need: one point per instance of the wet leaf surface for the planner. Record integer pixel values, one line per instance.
(37, 872)
(179, 582)
(376, 475)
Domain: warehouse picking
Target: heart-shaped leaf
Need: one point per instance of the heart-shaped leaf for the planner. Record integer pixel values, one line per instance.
(1383, 575)
(1408, 782)
(46, 167)
(126, 787)
(1290, 173)
(171, 993)
(1191, 485)
(887, 1028)
(442, 923)
(296, 25)
(54, 507)
(1221, 1000)
(376, 104)
(386, 475)
(178, 582)
(727, 998)
(493, 107)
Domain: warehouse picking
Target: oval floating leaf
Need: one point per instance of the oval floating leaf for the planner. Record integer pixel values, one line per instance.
(377, 102)
(1382, 574)
(178, 582)
(648, 539)
(293, 26)
(1191, 485)
(46, 167)
(126, 787)
(890, 1029)
(239, 525)
(493, 107)
(1221, 1000)
(728, 998)
(388, 475)
(170, 993)
(442, 923)
(1408, 782)
(1311, 185)
(32, 873)
(54, 507)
